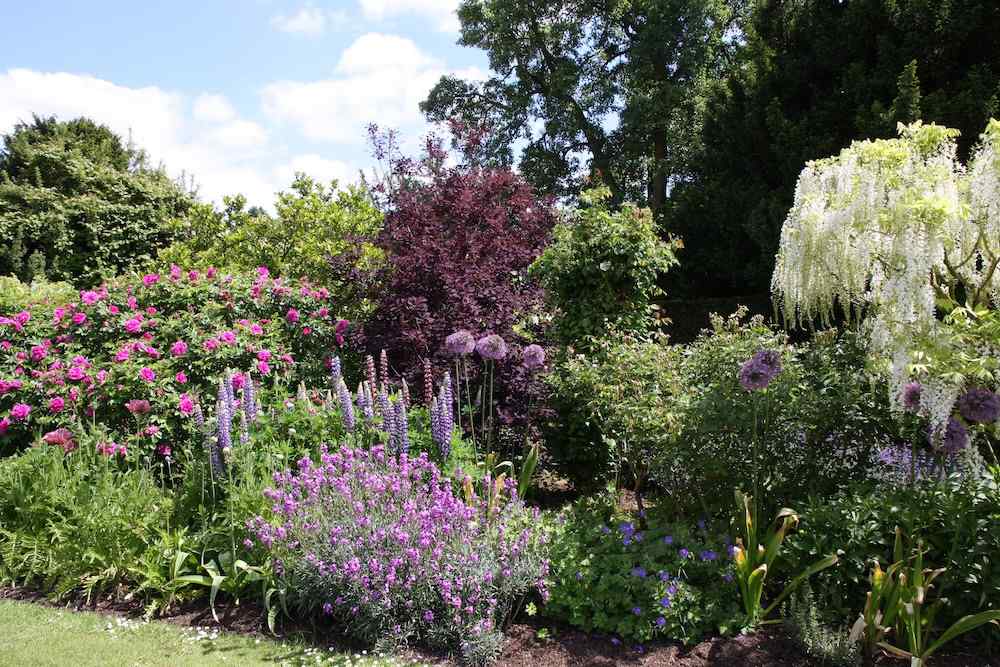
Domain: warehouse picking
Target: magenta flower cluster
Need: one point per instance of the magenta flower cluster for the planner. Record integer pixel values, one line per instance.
(381, 542)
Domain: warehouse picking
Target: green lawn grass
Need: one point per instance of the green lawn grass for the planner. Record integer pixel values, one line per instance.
(41, 636)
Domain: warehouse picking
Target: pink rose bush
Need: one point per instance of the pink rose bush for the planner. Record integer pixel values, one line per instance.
(143, 351)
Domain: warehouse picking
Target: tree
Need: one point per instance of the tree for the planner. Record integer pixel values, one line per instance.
(811, 77)
(76, 204)
(458, 241)
(603, 87)
(312, 224)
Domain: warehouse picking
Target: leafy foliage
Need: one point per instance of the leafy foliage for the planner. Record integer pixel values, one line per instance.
(640, 578)
(311, 225)
(953, 519)
(822, 423)
(616, 406)
(78, 206)
(457, 241)
(602, 268)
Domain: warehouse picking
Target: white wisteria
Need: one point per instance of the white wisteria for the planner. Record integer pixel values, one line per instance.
(897, 227)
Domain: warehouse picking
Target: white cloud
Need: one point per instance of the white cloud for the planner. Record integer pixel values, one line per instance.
(316, 166)
(204, 138)
(440, 12)
(379, 78)
(213, 108)
(310, 21)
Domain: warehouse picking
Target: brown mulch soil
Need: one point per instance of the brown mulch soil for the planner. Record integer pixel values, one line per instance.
(566, 647)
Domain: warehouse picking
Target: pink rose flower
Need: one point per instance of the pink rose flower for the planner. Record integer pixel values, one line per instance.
(76, 373)
(238, 380)
(179, 349)
(57, 315)
(56, 404)
(262, 272)
(150, 279)
(193, 276)
(292, 315)
(113, 309)
(186, 405)
(79, 318)
(146, 373)
(20, 411)
(89, 297)
(263, 367)
(175, 272)
(163, 450)
(122, 354)
(227, 337)
(181, 378)
(38, 352)
(133, 303)
(256, 329)
(264, 355)
(211, 344)
(133, 325)
(4, 426)
(102, 376)
(210, 272)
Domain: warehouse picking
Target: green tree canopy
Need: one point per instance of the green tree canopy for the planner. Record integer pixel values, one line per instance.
(588, 86)
(312, 224)
(76, 204)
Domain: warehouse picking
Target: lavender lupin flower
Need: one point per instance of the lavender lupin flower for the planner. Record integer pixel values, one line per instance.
(250, 407)
(244, 428)
(386, 410)
(383, 368)
(335, 371)
(365, 403)
(346, 405)
(400, 436)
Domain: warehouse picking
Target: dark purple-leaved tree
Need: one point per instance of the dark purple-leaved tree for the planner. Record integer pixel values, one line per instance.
(458, 238)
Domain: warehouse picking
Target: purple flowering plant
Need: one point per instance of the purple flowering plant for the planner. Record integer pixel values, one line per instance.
(382, 542)
(606, 564)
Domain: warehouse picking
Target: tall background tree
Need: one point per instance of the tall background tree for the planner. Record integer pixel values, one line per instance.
(706, 111)
(78, 204)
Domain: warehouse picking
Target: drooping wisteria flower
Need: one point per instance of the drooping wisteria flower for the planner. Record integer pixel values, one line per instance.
(460, 343)
(911, 396)
(533, 357)
(758, 372)
(491, 347)
(979, 405)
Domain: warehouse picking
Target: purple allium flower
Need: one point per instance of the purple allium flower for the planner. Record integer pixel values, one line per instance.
(460, 343)
(637, 611)
(758, 372)
(955, 438)
(665, 601)
(668, 539)
(664, 575)
(911, 396)
(683, 553)
(639, 572)
(491, 347)
(979, 405)
(533, 357)
(708, 555)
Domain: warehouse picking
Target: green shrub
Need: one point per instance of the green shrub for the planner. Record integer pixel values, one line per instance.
(602, 268)
(77, 524)
(820, 425)
(610, 573)
(312, 225)
(956, 519)
(15, 295)
(615, 406)
(78, 205)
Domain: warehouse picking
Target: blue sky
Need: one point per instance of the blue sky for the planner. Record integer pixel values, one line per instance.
(238, 94)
